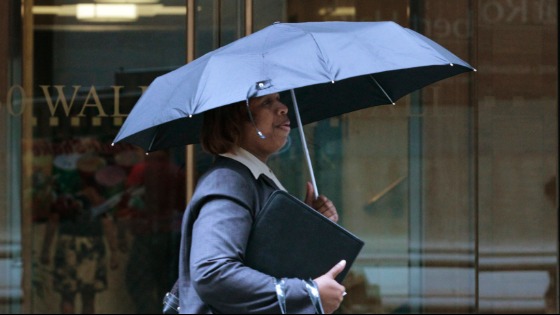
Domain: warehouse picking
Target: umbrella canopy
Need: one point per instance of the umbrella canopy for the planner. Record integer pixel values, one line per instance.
(333, 67)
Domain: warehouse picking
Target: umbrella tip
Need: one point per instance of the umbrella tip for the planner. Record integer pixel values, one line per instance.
(393, 104)
(332, 81)
(451, 64)
(474, 69)
(112, 144)
(190, 116)
(147, 153)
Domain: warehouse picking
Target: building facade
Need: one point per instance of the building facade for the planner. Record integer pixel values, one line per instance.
(454, 189)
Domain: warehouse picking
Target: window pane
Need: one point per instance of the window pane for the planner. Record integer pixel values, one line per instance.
(518, 156)
(106, 218)
(462, 174)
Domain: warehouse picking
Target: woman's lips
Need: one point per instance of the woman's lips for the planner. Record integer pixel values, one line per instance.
(285, 126)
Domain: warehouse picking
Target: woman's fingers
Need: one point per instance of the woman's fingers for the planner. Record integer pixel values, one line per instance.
(324, 206)
(309, 196)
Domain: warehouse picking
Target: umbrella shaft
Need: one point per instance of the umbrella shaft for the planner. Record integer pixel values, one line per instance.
(304, 144)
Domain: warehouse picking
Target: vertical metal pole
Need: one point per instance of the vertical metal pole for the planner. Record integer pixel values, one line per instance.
(416, 213)
(218, 23)
(190, 29)
(27, 154)
(416, 220)
(474, 154)
(557, 271)
(248, 17)
(189, 159)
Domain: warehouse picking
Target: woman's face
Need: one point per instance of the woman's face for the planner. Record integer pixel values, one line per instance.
(271, 118)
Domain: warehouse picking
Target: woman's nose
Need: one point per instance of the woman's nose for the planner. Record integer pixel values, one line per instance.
(283, 108)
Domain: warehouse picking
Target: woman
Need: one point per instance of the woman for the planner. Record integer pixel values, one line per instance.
(217, 223)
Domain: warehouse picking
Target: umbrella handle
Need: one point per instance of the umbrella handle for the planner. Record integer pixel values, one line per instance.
(304, 144)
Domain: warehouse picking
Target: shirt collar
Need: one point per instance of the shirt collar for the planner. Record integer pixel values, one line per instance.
(256, 166)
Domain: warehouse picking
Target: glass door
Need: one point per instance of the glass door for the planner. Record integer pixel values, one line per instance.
(104, 227)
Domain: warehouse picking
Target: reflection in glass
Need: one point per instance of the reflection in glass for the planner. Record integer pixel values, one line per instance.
(106, 218)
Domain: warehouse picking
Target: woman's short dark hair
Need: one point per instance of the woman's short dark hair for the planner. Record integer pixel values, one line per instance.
(222, 128)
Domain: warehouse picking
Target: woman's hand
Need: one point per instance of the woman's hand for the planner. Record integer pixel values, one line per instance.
(321, 204)
(330, 291)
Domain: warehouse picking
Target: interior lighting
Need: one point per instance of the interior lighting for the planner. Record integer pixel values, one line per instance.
(127, 1)
(106, 12)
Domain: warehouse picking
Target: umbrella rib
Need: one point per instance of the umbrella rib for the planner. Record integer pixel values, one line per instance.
(153, 139)
(381, 88)
(323, 55)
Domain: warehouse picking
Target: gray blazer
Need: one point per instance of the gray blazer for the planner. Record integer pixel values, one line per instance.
(215, 231)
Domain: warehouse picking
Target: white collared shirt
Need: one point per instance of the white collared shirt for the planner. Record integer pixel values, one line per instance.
(256, 166)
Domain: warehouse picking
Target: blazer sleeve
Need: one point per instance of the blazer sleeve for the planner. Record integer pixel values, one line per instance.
(219, 237)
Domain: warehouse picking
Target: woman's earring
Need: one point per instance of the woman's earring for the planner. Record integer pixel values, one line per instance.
(259, 133)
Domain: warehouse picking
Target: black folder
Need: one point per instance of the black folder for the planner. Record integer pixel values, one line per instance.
(291, 239)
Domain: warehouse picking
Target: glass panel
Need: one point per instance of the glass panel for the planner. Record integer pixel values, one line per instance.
(267, 12)
(105, 219)
(463, 164)
(447, 177)
(217, 23)
(11, 115)
(518, 156)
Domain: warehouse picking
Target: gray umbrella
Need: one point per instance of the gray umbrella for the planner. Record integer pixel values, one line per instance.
(333, 67)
